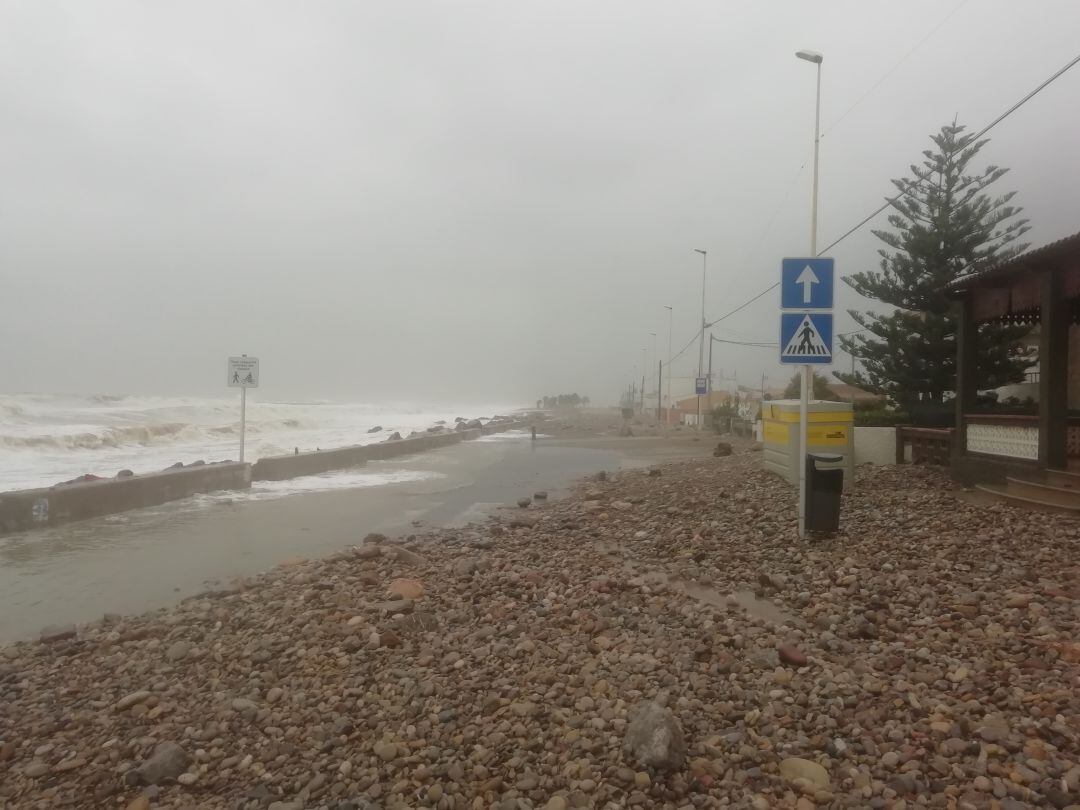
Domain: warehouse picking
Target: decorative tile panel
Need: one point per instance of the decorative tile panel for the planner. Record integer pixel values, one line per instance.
(1015, 441)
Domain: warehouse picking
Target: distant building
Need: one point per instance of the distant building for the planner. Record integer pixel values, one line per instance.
(849, 393)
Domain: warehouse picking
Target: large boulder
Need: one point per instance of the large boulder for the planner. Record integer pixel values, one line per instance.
(722, 449)
(376, 429)
(654, 738)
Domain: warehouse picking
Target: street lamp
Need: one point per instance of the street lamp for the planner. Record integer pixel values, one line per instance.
(815, 58)
(701, 339)
(670, 315)
(654, 357)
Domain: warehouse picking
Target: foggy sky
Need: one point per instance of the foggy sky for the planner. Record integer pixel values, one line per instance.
(469, 201)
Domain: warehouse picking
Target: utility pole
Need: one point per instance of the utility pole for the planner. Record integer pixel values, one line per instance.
(701, 339)
(804, 398)
(670, 314)
(659, 388)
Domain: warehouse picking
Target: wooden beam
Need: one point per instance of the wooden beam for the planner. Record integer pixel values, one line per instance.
(1053, 371)
(966, 334)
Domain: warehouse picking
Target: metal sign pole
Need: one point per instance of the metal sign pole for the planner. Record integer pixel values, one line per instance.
(243, 420)
(804, 396)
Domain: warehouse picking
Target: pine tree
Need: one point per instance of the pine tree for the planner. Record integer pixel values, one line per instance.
(820, 384)
(943, 227)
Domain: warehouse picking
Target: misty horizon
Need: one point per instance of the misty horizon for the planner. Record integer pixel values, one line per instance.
(489, 203)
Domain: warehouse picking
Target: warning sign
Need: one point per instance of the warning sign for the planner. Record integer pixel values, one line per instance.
(806, 338)
(243, 372)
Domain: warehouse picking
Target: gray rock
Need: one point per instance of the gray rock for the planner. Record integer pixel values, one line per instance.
(393, 606)
(654, 738)
(58, 632)
(466, 566)
(168, 761)
(178, 650)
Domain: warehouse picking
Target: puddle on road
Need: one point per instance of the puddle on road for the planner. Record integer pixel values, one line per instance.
(746, 599)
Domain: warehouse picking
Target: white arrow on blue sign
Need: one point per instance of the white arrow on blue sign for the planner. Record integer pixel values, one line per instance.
(806, 338)
(806, 283)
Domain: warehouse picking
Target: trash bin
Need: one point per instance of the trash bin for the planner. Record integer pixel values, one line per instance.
(823, 490)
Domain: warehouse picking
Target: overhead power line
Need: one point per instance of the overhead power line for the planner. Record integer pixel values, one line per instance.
(894, 68)
(892, 200)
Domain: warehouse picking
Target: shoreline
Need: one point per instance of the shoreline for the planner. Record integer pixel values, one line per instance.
(925, 655)
(150, 558)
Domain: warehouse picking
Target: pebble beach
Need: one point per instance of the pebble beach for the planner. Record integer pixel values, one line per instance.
(659, 638)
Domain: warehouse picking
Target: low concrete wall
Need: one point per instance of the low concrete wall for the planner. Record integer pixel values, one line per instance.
(278, 468)
(875, 445)
(37, 508)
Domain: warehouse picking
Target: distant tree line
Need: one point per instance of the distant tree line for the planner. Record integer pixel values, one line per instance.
(563, 401)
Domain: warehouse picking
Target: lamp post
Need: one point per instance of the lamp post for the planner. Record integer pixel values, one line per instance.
(701, 339)
(814, 58)
(650, 367)
(670, 314)
(644, 372)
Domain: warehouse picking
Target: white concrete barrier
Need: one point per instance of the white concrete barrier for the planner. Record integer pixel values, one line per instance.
(875, 445)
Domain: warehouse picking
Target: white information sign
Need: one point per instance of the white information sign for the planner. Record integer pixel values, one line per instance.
(244, 372)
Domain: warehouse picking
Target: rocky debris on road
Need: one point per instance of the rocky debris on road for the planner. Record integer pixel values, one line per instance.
(654, 738)
(168, 761)
(925, 656)
(722, 449)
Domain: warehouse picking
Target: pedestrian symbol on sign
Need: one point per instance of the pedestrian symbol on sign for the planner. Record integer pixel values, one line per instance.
(805, 338)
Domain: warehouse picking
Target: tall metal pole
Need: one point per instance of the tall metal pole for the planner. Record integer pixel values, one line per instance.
(644, 372)
(670, 315)
(710, 369)
(701, 339)
(655, 356)
(243, 420)
(807, 369)
(659, 388)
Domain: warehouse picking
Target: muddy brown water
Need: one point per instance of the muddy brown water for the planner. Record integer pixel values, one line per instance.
(151, 558)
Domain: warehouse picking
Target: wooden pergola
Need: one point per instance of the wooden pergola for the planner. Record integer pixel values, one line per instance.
(1040, 287)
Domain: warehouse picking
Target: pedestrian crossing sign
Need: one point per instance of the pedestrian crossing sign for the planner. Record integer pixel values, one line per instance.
(806, 338)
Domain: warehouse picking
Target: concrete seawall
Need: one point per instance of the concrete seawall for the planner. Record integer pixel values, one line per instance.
(278, 468)
(38, 508)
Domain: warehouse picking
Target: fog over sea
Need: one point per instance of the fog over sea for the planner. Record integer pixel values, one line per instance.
(47, 438)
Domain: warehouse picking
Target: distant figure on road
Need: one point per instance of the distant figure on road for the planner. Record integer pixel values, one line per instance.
(534, 433)
(296, 451)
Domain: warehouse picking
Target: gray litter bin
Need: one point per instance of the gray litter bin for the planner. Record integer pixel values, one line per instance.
(823, 490)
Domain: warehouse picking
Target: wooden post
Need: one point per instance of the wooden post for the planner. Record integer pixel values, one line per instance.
(1053, 371)
(966, 334)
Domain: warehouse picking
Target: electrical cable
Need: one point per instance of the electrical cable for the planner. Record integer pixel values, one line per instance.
(892, 200)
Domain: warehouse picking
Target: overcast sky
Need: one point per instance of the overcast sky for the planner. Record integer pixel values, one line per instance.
(469, 201)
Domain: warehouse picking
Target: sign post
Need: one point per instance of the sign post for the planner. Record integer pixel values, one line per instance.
(243, 374)
(806, 337)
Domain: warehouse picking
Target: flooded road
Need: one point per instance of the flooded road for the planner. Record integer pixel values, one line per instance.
(146, 559)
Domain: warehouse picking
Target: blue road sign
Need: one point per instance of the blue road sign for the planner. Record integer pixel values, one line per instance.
(806, 338)
(700, 386)
(806, 283)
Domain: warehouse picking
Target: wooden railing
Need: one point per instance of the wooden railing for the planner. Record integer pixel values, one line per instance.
(928, 445)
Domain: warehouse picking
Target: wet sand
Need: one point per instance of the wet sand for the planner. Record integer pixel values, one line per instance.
(153, 558)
